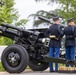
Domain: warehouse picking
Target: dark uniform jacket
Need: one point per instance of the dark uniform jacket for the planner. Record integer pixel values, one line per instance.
(70, 34)
(56, 30)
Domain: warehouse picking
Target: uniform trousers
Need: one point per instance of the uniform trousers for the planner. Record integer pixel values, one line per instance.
(54, 52)
(70, 54)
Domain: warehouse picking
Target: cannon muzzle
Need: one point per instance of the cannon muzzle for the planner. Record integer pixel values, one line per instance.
(44, 19)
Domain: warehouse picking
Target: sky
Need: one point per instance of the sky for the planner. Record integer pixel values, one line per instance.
(27, 7)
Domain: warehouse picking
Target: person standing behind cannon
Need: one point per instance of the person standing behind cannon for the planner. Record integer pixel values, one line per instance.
(55, 34)
(70, 34)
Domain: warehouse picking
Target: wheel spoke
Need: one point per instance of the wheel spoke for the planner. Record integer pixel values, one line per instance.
(13, 59)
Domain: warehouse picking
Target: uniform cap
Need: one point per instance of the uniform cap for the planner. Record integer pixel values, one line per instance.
(70, 20)
(55, 18)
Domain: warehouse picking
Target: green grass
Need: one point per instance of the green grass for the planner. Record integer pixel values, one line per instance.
(1, 67)
(59, 64)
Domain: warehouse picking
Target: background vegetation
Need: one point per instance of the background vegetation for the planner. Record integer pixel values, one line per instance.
(8, 14)
(66, 10)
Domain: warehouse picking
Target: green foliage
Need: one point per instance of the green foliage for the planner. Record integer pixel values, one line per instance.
(9, 14)
(5, 41)
(67, 10)
(1, 67)
(45, 14)
(21, 22)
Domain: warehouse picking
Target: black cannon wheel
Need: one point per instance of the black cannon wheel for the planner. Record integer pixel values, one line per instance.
(15, 59)
(38, 66)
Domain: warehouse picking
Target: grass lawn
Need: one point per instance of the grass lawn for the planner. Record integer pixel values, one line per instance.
(1, 67)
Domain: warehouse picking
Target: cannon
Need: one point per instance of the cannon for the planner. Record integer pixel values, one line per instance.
(28, 49)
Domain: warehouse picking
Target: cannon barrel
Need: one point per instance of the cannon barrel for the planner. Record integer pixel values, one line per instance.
(48, 20)
(44, 19)
(10, 33)
(13, 31)
(10, 26)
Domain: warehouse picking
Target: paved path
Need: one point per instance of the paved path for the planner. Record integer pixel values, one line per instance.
(29, 72)
(36, 73)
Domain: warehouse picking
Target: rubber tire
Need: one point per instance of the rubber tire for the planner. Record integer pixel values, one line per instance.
(24, 59)
(36, 67)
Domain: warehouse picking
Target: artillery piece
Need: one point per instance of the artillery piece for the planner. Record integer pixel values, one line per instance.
(27, 50)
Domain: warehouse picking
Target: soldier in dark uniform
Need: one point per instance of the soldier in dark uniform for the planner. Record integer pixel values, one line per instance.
(55, 34)
(70, 34)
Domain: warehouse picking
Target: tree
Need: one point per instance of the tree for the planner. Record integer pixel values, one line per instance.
(44, 14)
(68, 8)
(9, 14)
(48, 15)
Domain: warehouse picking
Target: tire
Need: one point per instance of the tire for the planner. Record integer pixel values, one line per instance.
(38, 66)
(15, 59)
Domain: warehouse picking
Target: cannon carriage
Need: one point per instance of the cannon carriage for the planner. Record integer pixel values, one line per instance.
(27, 49)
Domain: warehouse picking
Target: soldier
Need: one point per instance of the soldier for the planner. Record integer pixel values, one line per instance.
(55, 34)
(70, 34)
